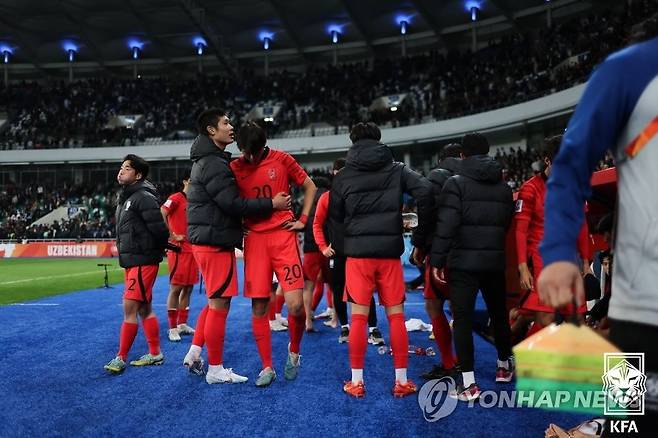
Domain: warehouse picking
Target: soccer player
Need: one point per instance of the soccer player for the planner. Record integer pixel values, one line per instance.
(315, 264)
(141, 240)
(529, 219)
(329, 237)
(618, 111)
(474, 213)
(183, 272)
(366, 198)
(214, 215)
(270, 244)
(435, 296)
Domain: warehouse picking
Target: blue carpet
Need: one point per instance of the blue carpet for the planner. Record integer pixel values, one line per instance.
(52, 381)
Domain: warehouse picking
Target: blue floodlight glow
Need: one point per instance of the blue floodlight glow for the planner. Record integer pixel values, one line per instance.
(200, 44)
(68, 45)
(6, 52)
(403, 21)
(136, 47)
(335, 30)
(474, 13)
(266, 37)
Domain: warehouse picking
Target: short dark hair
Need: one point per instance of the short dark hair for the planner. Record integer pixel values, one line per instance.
(251, 137)
(365, 131)
(474, 143)
(187, 172)
(453, 150)
(138, 163)
(551, 147)
(321, 182)
(339, 163)
(209, 117)
(605, 224)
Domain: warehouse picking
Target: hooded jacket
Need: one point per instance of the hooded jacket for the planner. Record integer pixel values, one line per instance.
(447, 167)
(366, 197)
(141, 232)
(474, 213)
(214, 206)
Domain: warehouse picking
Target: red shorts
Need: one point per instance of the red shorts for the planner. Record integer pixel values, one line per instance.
(182, 268)
(530, 299)
(219, 271)
(267, 253)
(362, 276)
(314, 263)
(429, 291)
(139, 282)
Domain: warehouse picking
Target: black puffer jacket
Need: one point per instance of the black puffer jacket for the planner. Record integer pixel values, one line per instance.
(366, 197)
(438, 177)
(474, 213)
(214, 206)
(309, 241)
(141, 232)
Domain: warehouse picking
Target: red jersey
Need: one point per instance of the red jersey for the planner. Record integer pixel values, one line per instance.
(529, 220)
(272, 175)
(320, 218)
(176, 208)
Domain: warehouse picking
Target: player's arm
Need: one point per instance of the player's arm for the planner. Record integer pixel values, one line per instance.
(318, 225)
(421, 190)
(449, 219)
(525, 205)
(223, 189)
(166, 209)
(308, 186)
(594, 128)
(585, 248)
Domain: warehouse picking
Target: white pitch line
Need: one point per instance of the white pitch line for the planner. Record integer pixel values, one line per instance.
(33, 304)
(58, 276)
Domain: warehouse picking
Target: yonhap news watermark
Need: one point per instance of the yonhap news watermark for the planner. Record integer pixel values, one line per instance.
(622, 394)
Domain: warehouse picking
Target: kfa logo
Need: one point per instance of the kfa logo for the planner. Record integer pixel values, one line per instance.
(271, 173)
(624, 384)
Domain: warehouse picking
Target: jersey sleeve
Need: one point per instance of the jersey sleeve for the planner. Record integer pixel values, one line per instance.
(171, 204)
(295, 172)
(319, 220)
(525, 205)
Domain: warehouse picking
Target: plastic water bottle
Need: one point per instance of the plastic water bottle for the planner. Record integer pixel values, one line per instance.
(383, 349)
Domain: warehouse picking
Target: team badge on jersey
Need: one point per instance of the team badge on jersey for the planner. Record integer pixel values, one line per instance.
(519, 206)
(271, 173)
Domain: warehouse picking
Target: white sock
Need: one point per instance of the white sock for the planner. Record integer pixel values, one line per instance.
(469, 378)
(347, 326)
(215, 368)
(277, 316)
(503, 364)
(195, 351)
(357, 376)
(370, 329)
(401, 375)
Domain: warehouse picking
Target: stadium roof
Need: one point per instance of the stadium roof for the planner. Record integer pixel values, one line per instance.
(39, 33)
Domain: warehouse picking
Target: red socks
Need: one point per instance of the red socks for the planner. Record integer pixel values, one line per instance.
(280, 299)
(199, 333)
(296, 326)
(399, 340)
(172, 316)
(152, 333)
(358, 341)
(126, 339)
(443, 336)
(271, 310)
(215, 328)
(263, 337)
(182, 315)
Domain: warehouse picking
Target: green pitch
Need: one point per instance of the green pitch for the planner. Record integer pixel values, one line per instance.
(29, 279)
